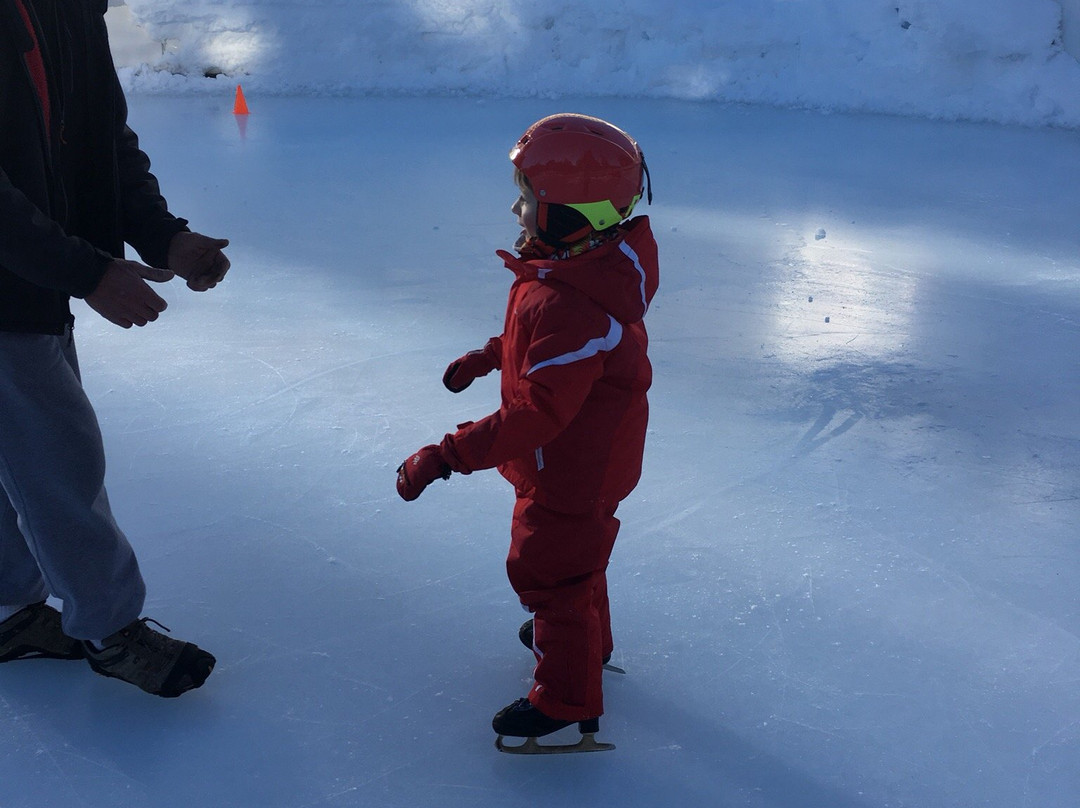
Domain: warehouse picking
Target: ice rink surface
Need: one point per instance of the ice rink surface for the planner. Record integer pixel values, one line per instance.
(848, 578)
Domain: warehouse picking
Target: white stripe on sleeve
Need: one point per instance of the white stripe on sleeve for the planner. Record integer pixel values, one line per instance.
(589, 349)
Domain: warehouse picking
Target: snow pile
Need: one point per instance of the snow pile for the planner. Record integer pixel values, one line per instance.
(999, 60)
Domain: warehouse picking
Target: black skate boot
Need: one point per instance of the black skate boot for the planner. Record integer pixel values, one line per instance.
(525, 634)
(35, 633)
(523, 720)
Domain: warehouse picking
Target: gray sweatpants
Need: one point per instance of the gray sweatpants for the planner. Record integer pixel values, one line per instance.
(57, 532)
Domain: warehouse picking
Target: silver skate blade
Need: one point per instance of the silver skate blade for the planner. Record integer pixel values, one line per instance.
(614, 668)
(588, 743)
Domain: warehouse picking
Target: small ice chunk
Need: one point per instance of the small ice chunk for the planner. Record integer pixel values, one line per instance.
(820, 234)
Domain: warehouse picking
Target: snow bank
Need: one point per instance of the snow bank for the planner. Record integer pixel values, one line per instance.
(998, 60)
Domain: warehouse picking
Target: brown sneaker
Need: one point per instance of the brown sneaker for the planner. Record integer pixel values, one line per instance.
(35, 633)
(149, 660)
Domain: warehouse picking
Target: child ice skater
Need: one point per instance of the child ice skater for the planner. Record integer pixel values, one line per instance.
(570, 432)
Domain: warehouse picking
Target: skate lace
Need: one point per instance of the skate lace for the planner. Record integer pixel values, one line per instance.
(150, 643)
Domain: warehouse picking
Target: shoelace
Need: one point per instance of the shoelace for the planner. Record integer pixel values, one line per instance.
(148, 639)
(145, 620)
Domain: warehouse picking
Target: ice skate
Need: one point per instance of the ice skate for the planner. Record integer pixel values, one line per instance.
(35, 633)
(525, 634)
(523, 720)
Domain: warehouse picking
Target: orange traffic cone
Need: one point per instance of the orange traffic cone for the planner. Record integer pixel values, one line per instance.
(240, 107)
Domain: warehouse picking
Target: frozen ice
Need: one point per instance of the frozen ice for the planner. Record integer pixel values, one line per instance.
(920, 647)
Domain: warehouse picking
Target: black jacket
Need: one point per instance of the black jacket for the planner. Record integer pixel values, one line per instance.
(69, 198)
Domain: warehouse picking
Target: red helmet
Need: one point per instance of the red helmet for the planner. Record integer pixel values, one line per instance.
(583, 163)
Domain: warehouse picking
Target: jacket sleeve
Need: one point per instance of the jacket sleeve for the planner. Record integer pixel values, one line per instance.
(493, 352)
(564, 358)
(148, 224)
(34, 247)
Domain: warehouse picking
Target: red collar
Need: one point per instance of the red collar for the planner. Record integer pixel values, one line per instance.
(35, 64)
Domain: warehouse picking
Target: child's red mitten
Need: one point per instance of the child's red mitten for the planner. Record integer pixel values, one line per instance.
(464, 371)
(419, 471)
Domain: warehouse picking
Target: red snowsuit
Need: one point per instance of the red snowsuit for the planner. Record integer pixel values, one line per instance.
(569, 435)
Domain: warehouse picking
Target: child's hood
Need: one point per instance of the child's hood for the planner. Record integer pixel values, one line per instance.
(621, 276)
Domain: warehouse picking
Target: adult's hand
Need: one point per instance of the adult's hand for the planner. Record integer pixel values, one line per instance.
(198, 259)
(124, 297)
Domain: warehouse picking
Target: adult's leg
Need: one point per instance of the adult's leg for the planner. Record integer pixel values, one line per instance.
(20, 579)
(52, 471)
